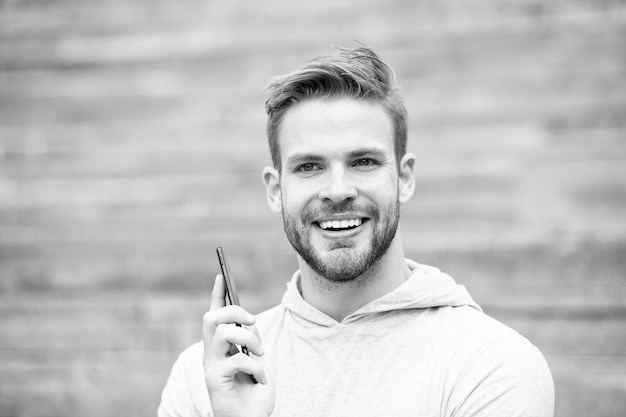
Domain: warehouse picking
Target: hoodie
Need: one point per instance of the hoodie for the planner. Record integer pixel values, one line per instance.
(424, 349)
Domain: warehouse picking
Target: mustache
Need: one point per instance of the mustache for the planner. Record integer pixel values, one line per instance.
(344, 207)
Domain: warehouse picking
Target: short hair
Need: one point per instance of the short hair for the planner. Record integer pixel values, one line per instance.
(356, 73)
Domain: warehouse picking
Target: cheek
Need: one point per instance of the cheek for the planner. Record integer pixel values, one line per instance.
(385, 198)
(382, 179)
(297, 193)
(293, 201)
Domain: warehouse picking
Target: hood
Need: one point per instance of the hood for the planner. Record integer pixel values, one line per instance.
(427, 287)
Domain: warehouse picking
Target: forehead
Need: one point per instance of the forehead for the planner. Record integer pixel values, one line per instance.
(335, 125)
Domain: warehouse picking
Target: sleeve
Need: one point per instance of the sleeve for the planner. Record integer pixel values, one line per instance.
(507, 378)
(185, 393)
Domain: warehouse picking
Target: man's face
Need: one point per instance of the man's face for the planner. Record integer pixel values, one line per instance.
(339, 184)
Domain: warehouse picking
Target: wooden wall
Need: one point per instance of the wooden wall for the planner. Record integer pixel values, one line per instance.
(132, 141)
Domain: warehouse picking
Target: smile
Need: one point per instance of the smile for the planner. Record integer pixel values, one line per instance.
(339, 225)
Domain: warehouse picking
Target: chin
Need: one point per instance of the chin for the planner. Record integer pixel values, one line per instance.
(341, 264)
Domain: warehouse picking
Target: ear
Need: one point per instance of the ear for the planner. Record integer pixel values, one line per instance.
(406, 180)
(271, 179)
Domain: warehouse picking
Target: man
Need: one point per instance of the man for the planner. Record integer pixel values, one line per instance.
(360, 331)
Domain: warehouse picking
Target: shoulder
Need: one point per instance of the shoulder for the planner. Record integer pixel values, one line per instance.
(481, 337)
(185, 393)
(501, 369)
(476, 329)
(192, 355)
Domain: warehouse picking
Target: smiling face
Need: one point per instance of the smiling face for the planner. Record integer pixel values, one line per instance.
(340, 186)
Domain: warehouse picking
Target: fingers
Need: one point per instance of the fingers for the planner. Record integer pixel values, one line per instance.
(221, 343)
(227, 335)
(225, 315)
(219, 313)
(221, 360)
(234, 365)
(218, 333)
(218, 295)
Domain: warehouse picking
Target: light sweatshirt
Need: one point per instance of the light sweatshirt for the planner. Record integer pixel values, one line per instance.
(424, 349)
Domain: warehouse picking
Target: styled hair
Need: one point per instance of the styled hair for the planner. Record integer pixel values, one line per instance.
(355, 73)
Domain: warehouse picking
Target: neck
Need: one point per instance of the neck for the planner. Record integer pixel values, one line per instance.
(340, 299)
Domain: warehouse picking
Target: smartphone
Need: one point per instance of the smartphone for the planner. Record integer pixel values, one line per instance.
(232, 298)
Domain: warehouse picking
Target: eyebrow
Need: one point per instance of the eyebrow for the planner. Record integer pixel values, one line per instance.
(299, 157)
(357, 153)
(360, 153)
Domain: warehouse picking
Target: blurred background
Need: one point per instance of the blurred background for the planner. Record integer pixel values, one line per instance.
(132, 138)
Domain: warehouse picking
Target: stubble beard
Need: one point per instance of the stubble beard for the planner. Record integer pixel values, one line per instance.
(343, 262)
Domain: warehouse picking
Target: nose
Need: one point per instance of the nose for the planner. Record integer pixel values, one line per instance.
(338, 187)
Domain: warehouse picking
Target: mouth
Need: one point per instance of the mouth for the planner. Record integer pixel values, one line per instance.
(340, 225)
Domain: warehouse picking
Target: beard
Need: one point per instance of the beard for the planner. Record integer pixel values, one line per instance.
(344, 262)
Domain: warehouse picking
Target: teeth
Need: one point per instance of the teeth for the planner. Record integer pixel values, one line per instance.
(340, 224)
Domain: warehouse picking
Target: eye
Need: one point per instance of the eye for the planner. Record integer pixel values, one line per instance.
(365, 163)
(308, 167)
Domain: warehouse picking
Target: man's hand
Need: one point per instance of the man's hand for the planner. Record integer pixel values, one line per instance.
(229, 373)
